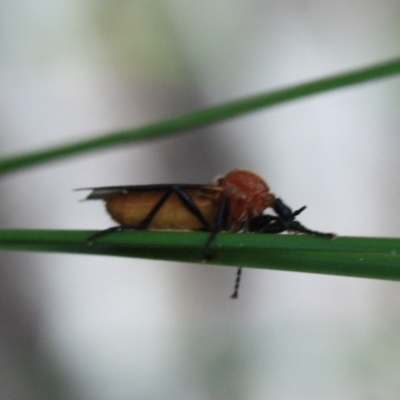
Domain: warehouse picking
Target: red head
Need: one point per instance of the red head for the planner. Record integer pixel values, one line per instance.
(248, 195)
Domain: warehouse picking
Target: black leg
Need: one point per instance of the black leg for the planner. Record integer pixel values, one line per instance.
(267, 224)
(284, 221)
(147, 221)
(235, 293)
(221, 223)
(119, 228)
(295, 226)
(186, 200)
(142, 226)
(190, 205)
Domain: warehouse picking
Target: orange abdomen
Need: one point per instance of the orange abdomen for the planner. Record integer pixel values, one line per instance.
(132, 208)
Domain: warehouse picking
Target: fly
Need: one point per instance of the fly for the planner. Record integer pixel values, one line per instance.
(236, 202)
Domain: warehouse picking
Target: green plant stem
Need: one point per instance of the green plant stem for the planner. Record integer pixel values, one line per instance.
(202, 117)
(360, 257)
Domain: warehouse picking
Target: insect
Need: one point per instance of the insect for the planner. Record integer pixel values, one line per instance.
(236, 202)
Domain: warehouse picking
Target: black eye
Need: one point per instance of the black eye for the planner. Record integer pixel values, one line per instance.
(282, 209)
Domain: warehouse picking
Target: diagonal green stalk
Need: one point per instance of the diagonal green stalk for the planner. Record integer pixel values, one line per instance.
(202, 117)
(349, 256)
(361, 257)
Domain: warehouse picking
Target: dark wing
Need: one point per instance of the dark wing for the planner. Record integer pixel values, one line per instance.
(104, 192)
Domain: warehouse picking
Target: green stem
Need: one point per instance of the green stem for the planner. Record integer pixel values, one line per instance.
(202, 117)
(360, 257)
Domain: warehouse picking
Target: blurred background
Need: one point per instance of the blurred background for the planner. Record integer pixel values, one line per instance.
(84, 327)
